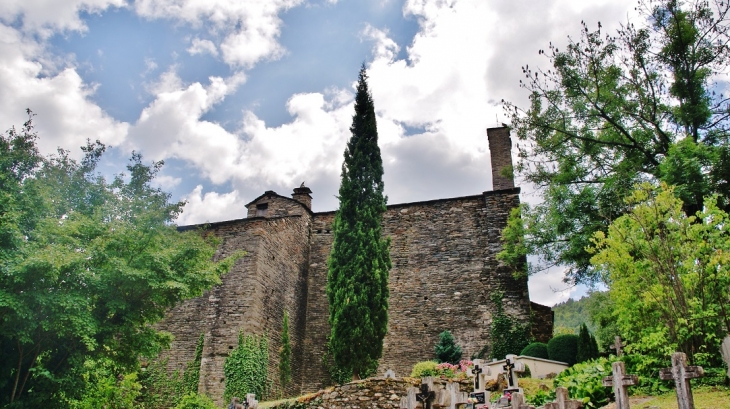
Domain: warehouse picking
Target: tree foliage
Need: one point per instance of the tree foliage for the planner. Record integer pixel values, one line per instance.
(446, 349)
(86, 267)
(668, 274)
(615, 110)
(359, 264)
(587, 345)
(563, 348)
(509, 336)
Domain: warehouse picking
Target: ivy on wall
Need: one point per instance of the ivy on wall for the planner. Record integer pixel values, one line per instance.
(246, 369)
(285, 354)
(191, 376)
(509, 336)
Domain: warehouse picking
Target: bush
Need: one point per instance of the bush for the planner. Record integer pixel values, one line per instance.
(426, 368)
(536, 350)
(584, 381)
(195, 401)
(446, 349)
(563, 348)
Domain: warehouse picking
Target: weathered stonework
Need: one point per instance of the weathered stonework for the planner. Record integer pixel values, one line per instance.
(444, 271)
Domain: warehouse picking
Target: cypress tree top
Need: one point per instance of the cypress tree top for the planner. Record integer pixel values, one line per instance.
(357, 280)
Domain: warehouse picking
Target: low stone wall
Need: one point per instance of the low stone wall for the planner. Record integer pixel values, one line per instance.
(371, 393)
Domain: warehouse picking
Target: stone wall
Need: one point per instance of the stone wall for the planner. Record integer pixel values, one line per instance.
(542, 322)
(268, 280)
(373, 393)
(444, 271)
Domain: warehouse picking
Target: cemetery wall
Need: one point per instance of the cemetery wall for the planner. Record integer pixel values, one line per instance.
(366, 394)
(444, 272)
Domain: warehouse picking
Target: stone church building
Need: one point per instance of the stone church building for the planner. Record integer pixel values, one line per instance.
(444, 270)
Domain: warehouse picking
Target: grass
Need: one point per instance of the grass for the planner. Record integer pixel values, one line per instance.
(704, 398)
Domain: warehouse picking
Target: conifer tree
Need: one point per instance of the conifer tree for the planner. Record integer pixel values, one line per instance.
(358, 266)
(285, 354)
(587, 345)
(446, 349)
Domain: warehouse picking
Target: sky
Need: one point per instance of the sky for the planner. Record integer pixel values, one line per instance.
(243, 96)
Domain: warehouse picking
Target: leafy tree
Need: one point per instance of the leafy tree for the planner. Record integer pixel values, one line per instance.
(587, 346)
(285, 353)
(86, 268)
(668, 274)
(358, 266)
(446, 349)
(615, 110)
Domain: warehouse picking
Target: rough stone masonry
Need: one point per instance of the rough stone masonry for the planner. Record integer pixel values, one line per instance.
(444, 271)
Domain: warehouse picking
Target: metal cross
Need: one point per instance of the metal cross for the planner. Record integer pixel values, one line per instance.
(476, 371)
(425, 396)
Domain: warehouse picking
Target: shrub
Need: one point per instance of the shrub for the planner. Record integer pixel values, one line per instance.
(536, 350)
(563, 348)
(195, 401)
(584, 381)
(426, 368)
(446, 349)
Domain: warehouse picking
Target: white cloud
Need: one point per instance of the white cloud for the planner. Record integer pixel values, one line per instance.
(60, 98)
(199, 46)
(47, 16)
(171, 126)
(250, 28)
(211, 207)
(385, 48)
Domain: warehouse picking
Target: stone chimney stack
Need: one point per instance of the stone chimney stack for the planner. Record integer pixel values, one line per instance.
(500, 149)
(302, 195)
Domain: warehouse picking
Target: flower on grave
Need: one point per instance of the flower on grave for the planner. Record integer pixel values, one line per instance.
(471, 400)
(508, 396)
(465, 364)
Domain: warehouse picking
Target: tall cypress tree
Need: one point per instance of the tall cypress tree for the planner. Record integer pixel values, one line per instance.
(357, 278)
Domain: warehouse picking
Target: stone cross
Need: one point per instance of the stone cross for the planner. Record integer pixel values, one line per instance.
(562, 401)
(681, 374)
(620, 383)
(457, 397)
(511, 367)
(426, 395)
(617, 345)
(725, 349)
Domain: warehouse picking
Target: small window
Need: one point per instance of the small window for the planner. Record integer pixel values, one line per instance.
(261, 209)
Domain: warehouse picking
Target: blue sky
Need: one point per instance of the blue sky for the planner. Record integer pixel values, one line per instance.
(242, 96)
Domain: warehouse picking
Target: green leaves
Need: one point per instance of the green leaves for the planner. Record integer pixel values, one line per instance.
(668, 274)
(359, 264)
(246, 368)
(86, 268)
(612, 111)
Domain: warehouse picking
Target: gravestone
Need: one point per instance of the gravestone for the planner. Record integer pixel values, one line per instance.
(620, 383)
(518, 402)
(617, 345)
(562, 401)
(389, 374)
(681, 374)
(251, 402)
(725, 349)
(511, 368)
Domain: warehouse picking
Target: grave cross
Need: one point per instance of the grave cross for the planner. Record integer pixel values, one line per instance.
(681, 374)
(476, 371)
(511, 367)
(617, 345)
(620, 383)
(425, 396)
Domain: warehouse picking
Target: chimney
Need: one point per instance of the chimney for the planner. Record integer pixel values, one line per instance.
(301, 195)
(500, 149)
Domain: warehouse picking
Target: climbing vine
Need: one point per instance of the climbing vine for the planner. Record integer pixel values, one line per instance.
(246, 369)
(509, 336)
(191, 376)
(285, 354)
